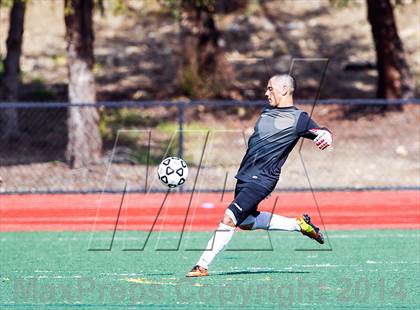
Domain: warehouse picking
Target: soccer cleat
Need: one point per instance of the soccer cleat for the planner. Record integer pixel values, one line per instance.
(309, 229)
(198, 271)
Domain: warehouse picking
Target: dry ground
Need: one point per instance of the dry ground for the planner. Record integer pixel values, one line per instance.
(370, 151)
(136, 51)
(136, 59)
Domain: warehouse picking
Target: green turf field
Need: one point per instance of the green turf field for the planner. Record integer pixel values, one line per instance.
(365, 269)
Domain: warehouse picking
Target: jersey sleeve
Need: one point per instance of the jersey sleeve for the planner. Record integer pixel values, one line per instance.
(304, 125)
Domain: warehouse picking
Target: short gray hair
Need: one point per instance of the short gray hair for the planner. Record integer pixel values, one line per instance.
(284, 79)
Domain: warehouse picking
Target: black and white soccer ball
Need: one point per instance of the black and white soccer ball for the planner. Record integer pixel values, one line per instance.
(173, 172)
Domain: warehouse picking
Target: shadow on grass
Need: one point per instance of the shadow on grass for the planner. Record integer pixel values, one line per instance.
(161, 274)
(257, 272)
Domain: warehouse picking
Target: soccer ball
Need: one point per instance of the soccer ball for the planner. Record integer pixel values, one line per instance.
(173, 172)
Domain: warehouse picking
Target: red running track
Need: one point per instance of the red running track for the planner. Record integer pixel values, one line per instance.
(79, 212)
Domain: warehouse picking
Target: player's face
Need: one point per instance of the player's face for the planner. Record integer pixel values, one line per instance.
(275, 93)
(271, 94)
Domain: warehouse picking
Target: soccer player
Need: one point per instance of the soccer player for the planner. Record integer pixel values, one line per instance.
(276, 132)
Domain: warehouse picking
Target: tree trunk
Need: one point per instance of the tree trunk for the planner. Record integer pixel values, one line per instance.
(204, 71)
(200, 35)
(84, 140)
(394, 79)
(11, 79)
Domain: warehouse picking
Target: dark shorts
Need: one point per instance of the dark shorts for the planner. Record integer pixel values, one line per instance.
(247, 197)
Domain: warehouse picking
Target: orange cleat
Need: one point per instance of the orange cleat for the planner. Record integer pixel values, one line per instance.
(198, 271)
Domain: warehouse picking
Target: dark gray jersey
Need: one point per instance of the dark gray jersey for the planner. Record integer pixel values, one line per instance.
(275, 134)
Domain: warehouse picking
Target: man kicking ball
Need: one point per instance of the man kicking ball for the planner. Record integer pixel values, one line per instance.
(275, 134)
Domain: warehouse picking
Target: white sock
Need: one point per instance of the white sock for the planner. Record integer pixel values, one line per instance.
(279, 222)
(216, 244)
(269, 221)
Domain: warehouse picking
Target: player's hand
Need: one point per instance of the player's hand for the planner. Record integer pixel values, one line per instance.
(323, 138)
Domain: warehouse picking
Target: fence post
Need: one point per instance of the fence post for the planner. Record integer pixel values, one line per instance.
(181, 119)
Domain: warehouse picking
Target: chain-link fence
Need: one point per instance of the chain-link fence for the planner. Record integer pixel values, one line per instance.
(376, 146)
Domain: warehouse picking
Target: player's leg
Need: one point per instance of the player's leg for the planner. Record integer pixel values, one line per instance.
(215, 245)
(270, 221)
(245, 203)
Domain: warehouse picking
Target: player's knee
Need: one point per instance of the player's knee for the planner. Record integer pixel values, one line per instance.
(246, 226)
(227, 220)
(248, 223)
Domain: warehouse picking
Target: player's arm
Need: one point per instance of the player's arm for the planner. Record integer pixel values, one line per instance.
(307, 128)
